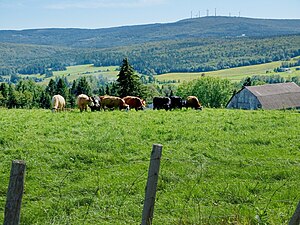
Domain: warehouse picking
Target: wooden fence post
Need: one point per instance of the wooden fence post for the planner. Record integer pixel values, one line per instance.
(295, 220)
(150, 191)
(14, 193)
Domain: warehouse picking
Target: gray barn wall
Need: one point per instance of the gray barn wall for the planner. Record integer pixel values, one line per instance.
(244, 100)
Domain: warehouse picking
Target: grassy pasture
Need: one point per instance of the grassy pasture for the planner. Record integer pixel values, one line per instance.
(218, 166)
(233, 74)
(73, 72)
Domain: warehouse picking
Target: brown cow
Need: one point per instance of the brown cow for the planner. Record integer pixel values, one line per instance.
(113, 102)
(134, 102)
(83, 101)
(193, 102)
(58, 103)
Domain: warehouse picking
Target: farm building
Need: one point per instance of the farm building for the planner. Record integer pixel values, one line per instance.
(269, 96)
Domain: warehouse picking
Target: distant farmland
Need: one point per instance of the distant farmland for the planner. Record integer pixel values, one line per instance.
(233, 74)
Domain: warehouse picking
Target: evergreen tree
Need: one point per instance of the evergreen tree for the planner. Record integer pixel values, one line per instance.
(45, 100)
(73, 88)
(114, 89)
(61, 88)
(107, 90)
(13, 97)
(37, 95)
(71, 100)
(101, 90)
(83, 87)
(3, 94)
(72, 95)
(128, 82)
(51, 88)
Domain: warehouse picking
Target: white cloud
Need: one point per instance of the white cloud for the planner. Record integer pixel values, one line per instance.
(88, 4)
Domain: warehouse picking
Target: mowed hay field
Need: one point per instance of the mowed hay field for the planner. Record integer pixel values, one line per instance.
(218, 166)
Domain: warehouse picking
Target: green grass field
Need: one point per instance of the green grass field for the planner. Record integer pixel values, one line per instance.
(218, 166)
(74, 72)
(233, 74)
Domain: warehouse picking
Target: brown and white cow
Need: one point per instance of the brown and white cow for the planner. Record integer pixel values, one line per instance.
(58, 103)
(83, 101)
(112, 102)
(193, 102)
(135, 102)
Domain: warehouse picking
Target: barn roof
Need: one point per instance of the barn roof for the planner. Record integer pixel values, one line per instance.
(277, 96)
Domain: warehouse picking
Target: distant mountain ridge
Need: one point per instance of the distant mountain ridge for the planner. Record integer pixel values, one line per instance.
(189, 45)
(211, 26)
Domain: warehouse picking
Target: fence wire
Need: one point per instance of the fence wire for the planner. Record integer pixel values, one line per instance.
(196, 192)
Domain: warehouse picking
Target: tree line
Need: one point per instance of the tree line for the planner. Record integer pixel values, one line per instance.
(28, 94)
(212, 92)
(267, 79)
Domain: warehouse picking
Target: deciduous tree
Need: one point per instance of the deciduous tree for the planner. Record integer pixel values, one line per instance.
(211, 92)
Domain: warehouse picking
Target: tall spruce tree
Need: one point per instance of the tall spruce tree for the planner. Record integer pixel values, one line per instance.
(51, 88)
(72, 95)
(83, 87)
(61, 88)
(128, 82)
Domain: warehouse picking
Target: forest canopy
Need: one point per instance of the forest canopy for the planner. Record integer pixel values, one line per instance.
(188, 55)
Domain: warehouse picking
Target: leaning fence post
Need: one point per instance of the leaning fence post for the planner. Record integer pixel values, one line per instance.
(150, 191)
(295, 220)
(14, 193)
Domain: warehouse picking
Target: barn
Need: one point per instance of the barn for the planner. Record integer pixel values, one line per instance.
(268, 96)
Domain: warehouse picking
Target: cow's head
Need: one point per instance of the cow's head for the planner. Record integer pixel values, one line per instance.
(91, 102)
(96, 106)
(143, 103)
(126, 107)
(96, 102)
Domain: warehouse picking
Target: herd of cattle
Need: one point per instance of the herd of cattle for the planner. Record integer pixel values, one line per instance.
(96, 103)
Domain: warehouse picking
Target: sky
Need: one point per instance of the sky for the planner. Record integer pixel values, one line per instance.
(30, 14)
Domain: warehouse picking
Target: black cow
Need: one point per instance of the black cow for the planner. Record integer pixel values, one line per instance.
(96, 106)
(176, 102)
(161, 103)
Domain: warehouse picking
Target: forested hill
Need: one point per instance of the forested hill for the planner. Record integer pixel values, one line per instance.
(190, 45)
(186, 55)
(124, 36)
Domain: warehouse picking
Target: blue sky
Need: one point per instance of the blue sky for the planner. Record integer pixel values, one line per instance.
(26, 14)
